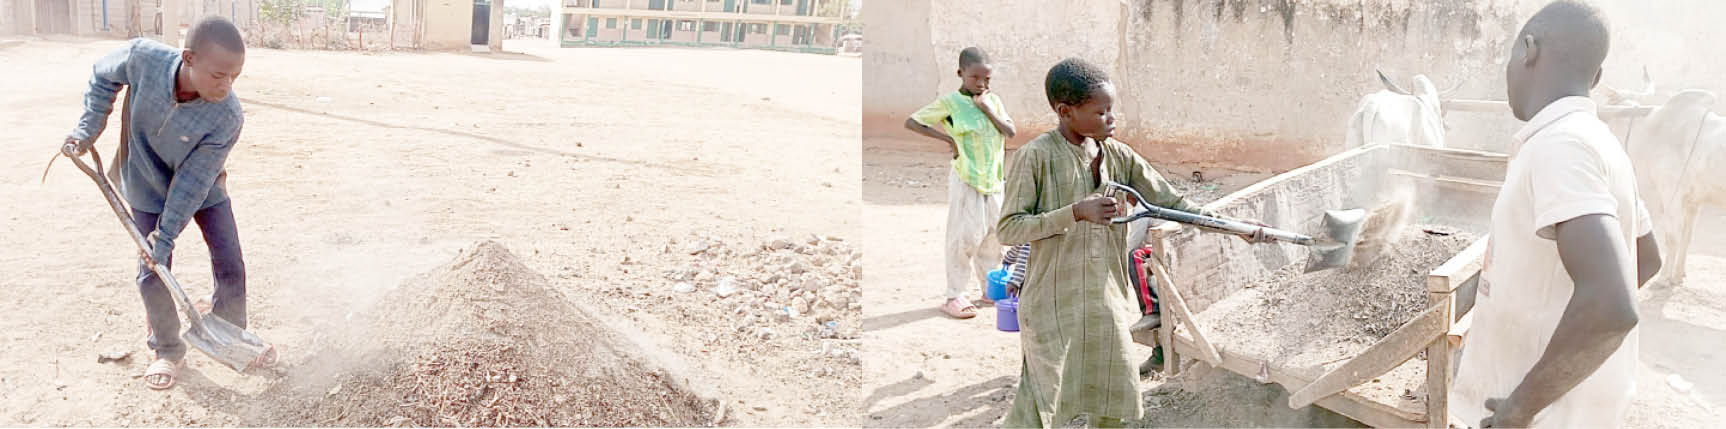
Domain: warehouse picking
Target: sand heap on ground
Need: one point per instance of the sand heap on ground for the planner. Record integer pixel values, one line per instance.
(484, 341)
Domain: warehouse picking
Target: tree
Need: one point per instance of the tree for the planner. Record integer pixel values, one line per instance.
(278, 11)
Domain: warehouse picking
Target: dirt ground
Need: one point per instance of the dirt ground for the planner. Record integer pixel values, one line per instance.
(359, 171)
(924, 369)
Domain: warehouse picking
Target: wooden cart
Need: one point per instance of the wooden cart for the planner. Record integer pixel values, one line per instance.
(1194, 269)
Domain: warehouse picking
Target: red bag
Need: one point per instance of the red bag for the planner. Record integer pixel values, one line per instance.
(1141, 277)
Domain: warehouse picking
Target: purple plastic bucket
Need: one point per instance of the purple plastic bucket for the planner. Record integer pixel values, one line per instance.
(1007, 314)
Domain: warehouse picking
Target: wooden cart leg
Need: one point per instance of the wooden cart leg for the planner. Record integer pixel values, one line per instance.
(1166, 333)
(1438, 367)
(1171, 358)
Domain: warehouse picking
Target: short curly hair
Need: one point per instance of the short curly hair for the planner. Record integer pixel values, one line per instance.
(1072, 82)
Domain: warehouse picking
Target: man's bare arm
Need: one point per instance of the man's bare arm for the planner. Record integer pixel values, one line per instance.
(1647, 259)
(1601, 312)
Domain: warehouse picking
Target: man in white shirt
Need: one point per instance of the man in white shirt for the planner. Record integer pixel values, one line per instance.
(1554, 337)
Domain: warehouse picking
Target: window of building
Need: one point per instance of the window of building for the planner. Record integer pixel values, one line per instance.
(761, 1)
(635, 24)
(709, 26)
(785, 2)
(686, 25)
(611, 23)
(781, 29)
(758, 28)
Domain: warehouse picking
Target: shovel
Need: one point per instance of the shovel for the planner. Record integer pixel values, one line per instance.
(1335, 249)
(222, 341)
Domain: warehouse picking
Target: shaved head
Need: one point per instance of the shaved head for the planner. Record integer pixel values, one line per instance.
(1574, 33)
(1558, 53)
(213, 31)
(214, 56)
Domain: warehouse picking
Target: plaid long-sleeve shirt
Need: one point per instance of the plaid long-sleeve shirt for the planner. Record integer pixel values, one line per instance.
(1016, 259)
(176, 150)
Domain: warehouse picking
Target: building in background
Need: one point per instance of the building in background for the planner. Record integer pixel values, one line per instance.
(92, 18)
(790, 25)
(453, 24)
(525, 26)
(119, 18)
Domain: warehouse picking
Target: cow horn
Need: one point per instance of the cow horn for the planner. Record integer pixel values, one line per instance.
(1616, 97)
(1453, 88)
(1647, 82)
(1388, 84)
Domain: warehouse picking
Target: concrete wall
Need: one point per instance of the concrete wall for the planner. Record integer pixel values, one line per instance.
(1260, 84)
(14, 16)
(1273, 83)
(84, 19)
(87, 17)
(637, 29)
(604, 33)
(899, 65)
(448, 24)
(244, 13)
(495, 41)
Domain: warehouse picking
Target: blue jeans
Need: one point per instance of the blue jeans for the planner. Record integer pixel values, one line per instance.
(229, 301)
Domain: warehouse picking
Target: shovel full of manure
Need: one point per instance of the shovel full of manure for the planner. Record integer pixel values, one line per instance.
(221, 340)
(1347, 234)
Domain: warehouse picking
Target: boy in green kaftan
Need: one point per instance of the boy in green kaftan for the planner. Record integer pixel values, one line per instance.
(1075, 307)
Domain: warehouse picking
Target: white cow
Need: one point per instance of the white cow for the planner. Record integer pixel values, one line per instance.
(1622, 125)
(1677, 151)
(1396, 115)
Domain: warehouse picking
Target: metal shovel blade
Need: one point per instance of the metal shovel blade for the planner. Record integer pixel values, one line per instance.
(226, 343)
(1335, 247)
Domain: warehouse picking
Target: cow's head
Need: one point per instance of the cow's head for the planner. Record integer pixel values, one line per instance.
(1395, 114)
(1423, 87)
(1424, 90)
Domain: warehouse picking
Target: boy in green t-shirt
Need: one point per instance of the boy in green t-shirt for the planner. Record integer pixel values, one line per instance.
(975, 125)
